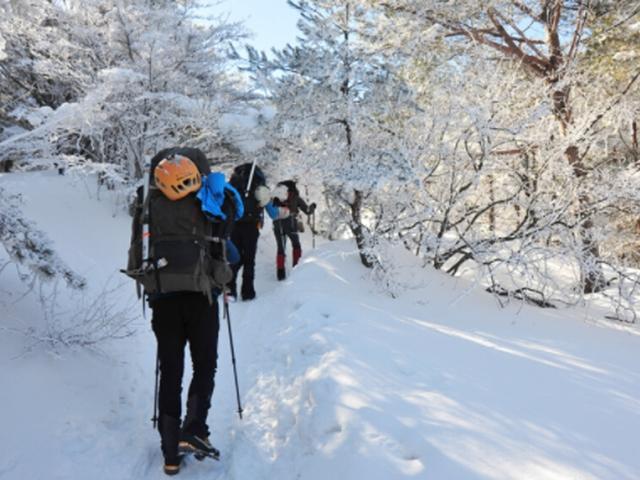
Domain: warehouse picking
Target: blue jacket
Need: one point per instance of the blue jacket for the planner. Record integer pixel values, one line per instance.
(272, 210)
(212, 194)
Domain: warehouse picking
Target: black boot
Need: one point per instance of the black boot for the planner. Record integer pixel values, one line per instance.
(195, 437)
(248, 292)
(194, 420)
(173, 468)
(169, 428)
(199, 446)
(281, 274)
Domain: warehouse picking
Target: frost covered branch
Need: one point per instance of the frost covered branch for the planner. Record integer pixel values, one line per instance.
(28, 246)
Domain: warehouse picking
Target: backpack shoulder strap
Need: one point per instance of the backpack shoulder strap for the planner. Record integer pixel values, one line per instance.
(229, 209)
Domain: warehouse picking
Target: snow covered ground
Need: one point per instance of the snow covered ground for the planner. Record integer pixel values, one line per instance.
(337, 380)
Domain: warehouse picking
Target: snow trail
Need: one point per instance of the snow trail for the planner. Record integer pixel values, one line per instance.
(337, 380)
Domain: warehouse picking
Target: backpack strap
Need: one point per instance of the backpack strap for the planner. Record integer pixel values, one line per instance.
(150, 262)
(229, 205)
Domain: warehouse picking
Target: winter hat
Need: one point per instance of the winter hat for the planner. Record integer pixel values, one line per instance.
(281, 193)
(262, 195)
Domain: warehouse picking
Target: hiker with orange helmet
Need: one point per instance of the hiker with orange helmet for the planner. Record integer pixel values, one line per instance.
(187, 217)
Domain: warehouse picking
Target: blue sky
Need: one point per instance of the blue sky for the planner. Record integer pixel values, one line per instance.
(272, 22)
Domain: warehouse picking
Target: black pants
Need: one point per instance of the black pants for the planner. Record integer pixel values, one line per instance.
(178, 319)
(286, 228)
(245, 238)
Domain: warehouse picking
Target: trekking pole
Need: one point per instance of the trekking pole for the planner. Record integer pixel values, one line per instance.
(313, 229)
(154, 419)
(251, 173)
(233, 354)
(283, 240)
(311, 220)
(145, 264)
(145, 214)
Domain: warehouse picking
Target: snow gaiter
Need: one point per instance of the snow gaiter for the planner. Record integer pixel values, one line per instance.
(297, 253)
(280, 258)
(169, 428)
(194, 420)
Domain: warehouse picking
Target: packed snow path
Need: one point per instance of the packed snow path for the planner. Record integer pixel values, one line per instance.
(337, 380)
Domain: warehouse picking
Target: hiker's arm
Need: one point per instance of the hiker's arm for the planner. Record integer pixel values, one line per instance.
(308, 209)
(302, 205)
(272, 210)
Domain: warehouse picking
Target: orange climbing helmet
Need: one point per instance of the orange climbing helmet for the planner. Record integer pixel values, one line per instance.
(177, 177)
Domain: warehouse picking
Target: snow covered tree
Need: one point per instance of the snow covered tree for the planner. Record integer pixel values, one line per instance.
(335, 101)
(44, 59)
(158, 78)
(544, 41)
(613, 55)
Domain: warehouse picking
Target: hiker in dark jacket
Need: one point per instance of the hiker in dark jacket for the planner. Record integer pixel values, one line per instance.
(284, 210)
(190, 212)
(246, 231)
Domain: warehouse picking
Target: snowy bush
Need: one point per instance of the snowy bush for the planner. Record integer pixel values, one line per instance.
(92, 321)
(31, 248)
(69, 317)
(79, 320)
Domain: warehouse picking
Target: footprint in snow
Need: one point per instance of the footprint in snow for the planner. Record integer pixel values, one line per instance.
(404, 367)
(334, 430)
(150, 459)
(8, 466)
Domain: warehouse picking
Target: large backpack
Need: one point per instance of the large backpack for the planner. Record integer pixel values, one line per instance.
(253, 212)
(186, 248)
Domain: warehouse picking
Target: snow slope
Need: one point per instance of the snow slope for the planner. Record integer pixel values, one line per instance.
(337, 380)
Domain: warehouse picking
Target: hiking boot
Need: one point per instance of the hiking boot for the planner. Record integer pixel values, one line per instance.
(280, 258)
(169, 428)
(248, 296)
(248, 292)
(172, 466)
(197, 445)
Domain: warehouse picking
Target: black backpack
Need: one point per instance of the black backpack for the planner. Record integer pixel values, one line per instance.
(186, 248)
(253, 212)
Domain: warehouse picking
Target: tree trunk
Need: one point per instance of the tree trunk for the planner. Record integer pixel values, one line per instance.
(492, 210)
(634, 140)
(590, 270)
(356, 226)
(6, 166)
(358, 229)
